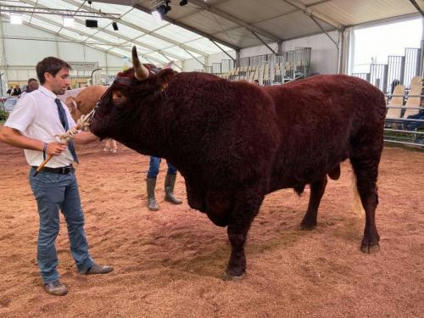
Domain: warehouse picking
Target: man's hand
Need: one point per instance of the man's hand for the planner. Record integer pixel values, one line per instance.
(55, 148)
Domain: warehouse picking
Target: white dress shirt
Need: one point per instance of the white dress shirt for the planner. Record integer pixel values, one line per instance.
(35, 115)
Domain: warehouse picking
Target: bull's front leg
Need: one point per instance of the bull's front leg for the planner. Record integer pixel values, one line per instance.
(241, 218)
(317, 190)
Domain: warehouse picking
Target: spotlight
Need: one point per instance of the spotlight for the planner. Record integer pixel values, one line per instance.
(89, 2)
(161, 10)
(183, 2)
(91, 23)
(115, 26)
(157, 16)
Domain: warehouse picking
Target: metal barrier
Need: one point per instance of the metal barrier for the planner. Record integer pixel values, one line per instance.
(399, 68)
(399, 130)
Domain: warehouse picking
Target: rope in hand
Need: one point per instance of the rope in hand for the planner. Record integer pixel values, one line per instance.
(82, 124)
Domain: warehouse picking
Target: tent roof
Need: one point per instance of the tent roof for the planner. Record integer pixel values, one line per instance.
(203, 27)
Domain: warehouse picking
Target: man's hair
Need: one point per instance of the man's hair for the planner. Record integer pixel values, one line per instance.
(50, 65)
(31, 80)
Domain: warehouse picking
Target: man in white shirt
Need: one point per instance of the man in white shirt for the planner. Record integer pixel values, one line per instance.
(37, 118)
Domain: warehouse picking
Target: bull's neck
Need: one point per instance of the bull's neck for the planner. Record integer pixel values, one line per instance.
(148, 131)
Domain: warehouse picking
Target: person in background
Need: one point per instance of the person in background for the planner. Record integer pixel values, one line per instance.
(32, 86)
(169, 183)
(16, 91)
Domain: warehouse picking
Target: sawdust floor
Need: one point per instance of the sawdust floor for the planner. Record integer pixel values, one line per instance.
(169, 263)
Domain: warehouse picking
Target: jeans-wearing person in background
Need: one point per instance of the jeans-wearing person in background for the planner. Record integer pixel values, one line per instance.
(169, 183)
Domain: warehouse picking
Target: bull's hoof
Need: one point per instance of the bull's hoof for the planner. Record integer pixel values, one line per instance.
(305, 226)
(370, 248)
(227, 277)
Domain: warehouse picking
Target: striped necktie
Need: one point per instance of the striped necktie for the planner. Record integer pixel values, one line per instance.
(65, 124)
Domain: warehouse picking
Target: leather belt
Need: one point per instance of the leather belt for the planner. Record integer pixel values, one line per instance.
(60, 170)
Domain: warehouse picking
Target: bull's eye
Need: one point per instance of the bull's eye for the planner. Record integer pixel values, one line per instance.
(118, 98)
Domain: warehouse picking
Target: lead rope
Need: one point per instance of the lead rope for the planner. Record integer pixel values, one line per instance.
(82, 124)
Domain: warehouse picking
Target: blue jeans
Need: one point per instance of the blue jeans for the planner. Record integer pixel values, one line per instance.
(154, 168)
(53, 192)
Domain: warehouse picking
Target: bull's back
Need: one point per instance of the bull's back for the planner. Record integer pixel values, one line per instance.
(318, 118)
(229, 127)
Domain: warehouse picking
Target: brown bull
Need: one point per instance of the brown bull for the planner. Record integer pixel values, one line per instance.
(235, 142)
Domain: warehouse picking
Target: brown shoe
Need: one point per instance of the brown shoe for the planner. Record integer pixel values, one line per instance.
(99, 269)
(56, 288)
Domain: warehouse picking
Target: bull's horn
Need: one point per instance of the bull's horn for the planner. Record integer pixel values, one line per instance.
(140, 71)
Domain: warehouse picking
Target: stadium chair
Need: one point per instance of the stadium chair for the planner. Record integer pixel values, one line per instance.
(416, 89)
(397, 100)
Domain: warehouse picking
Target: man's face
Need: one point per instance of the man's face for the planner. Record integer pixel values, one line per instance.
(59, 83)
(32, 86)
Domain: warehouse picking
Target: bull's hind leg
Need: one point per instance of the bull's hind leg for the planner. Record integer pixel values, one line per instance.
(317, 190)
(245, 210)
(366, 171)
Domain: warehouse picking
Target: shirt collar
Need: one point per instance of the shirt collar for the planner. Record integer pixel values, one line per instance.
(47, 92)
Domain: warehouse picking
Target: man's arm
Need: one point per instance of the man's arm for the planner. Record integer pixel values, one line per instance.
(13, 137)
(85, 137)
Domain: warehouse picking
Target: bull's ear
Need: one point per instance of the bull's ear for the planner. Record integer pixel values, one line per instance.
(164, 76)
(168, 65)
(71, 103)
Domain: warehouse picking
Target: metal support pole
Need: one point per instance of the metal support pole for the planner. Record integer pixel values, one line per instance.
(3, 60)
(226, 53)
(322, 29)
(421, 70)
(200, 62)
(421, 61)
(280, 47)
(263, 42)
(237, 58)
(340, 52)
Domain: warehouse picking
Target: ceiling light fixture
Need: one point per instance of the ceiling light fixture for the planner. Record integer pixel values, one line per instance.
(157, 16)
(161, 10)
(91, 23)
(183, 2)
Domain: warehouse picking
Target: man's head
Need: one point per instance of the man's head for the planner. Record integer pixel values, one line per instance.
(32, 85)
(53, 73)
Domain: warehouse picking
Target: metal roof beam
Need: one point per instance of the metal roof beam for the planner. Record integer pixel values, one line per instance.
(198, 61)
(190, 28)
(264, 43)
(74, 40)
(234, 19)
(309, 12)
(154, 49)
(64, 37)
(225, 52)
(64, 12)
(140, 29)
(325, 32)
(415, 4)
